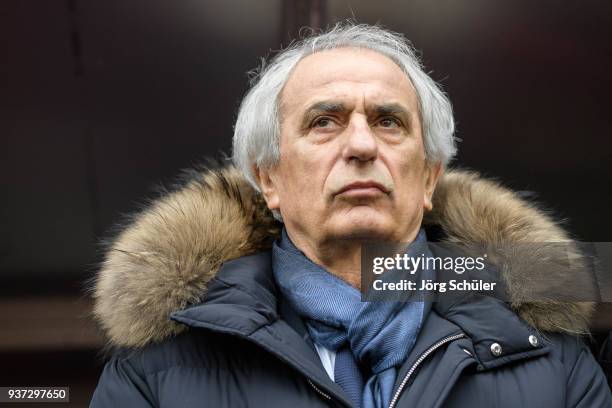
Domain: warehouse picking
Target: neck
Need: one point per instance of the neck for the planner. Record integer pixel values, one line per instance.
(340, 257)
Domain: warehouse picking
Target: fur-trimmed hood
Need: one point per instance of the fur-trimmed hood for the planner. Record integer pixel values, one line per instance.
(162, 261)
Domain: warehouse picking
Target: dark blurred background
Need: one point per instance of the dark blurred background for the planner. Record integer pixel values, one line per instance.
(102, 100)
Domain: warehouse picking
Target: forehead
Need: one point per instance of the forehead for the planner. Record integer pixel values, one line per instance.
(347, 74)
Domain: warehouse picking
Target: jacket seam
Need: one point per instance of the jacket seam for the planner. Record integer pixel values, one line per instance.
(239, 287)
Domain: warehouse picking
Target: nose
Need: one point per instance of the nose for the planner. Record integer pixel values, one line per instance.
(360, 141)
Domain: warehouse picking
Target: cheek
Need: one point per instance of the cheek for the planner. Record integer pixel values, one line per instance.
(302, 180)
(409, 179)
(307, 167)
(411, 195)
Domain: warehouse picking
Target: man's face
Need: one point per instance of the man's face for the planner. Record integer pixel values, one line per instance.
(352, 161)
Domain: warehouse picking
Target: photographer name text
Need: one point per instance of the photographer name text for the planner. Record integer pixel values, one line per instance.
(429, 285)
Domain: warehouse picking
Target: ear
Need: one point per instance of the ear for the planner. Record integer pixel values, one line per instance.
(431, 176)
(267, 185)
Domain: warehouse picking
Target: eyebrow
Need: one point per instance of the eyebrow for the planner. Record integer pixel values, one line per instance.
(391, 109)
(318, 108)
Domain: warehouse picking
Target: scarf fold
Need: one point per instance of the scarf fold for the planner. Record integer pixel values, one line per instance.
(379, 333)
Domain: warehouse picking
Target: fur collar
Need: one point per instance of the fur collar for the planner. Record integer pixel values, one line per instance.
(163, 260)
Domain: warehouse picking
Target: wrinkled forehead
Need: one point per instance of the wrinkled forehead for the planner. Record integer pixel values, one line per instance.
(346, 74)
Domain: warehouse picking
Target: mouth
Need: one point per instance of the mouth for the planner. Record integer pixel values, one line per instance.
(363, 188)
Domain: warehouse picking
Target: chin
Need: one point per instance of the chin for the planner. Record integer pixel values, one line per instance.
(364, 226)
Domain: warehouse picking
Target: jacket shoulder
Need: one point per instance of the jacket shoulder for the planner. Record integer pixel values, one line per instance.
(566, 348)
(193, 348)
(586, 382)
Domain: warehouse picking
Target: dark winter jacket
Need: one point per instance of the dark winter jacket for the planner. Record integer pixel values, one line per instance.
(188, 298)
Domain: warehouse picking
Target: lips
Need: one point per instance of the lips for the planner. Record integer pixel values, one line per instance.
(363, 187)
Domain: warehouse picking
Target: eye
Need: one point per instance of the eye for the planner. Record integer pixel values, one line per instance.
(389, 122)
(322, 122)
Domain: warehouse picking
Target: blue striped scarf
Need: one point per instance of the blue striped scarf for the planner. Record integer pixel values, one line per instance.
(379, 333)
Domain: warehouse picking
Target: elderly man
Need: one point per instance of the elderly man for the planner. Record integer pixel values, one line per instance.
(241, 288)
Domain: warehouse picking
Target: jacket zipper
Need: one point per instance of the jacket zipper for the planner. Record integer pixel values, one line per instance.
(408, 374)
(317, 389)
(418, 362)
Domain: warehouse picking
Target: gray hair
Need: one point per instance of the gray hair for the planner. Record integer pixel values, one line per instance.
(257, 131)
